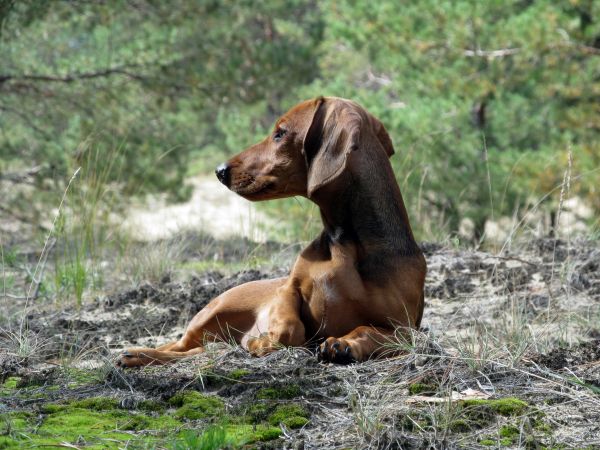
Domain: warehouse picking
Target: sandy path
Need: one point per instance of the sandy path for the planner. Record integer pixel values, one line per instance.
(212, 209)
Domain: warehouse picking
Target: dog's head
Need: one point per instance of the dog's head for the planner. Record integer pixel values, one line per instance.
(308, 149)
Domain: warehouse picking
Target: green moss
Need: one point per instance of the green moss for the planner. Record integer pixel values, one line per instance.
(292, 416)
(16, 421)
(92, 403)
(11, 382)
(150, 406)
(238, 373)
(504, 406)
(509, 431)
(543, 427)
(50, 408)
(78, 425)
(227, 436)
(276, 393)
(89, 423)
(141, 422)
(81, 377)
(194, 405)
(258, 412)
(420, 388)
(460, 426)
(507, 434)
(247, 434)
(96, 403)
(8, 442)
(487, 442)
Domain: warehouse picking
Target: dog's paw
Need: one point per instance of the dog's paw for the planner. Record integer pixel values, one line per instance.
(336, 350)
(127, 359)
(262, 346)
(134, 358)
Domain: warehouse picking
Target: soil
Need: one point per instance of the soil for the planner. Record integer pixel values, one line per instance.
(524, 325)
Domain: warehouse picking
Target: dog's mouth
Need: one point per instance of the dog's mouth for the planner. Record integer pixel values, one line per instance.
(253, 189)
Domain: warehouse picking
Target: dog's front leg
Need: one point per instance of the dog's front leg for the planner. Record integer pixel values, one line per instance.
(359, 345)
(284, 329)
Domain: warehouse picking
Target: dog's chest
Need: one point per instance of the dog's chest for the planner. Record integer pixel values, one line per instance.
(332, 293)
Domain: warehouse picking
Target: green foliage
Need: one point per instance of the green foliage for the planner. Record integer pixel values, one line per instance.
(431, 65)
(147, 79)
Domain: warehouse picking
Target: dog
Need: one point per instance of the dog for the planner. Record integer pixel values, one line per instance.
(359, 282)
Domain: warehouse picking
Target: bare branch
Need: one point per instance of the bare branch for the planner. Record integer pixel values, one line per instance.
(69, 78)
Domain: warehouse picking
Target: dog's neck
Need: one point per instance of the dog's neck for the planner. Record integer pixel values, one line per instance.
(366, 207)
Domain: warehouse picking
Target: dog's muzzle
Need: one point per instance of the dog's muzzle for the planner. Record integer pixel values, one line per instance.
(223, 173)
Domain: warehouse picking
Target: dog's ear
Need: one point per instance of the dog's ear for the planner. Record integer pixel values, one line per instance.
(332, 135)
(382, 135)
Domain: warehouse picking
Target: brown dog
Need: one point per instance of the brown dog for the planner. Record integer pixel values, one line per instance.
(353, 286)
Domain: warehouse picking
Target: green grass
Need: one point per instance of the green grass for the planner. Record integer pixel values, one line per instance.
(71, 276)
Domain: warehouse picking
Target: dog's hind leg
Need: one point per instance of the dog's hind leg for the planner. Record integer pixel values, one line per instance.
(227, 318)
(149, 356)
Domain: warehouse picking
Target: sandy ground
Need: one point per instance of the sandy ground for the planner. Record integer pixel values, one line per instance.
(212, 209)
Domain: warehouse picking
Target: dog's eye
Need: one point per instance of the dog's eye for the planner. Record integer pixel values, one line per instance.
(278, 134)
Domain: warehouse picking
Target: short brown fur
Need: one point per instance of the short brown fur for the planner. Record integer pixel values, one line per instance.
(355, 285)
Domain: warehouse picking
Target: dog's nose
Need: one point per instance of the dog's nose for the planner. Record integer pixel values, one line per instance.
(223, 173)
